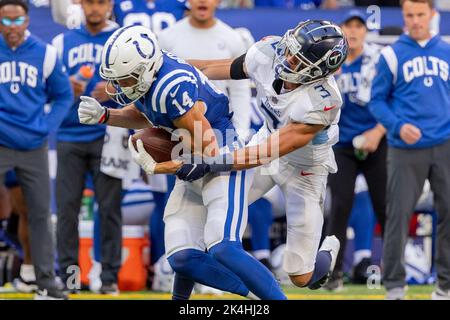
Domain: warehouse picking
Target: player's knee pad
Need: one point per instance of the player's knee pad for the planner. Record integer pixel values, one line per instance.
(215, 230)
(213, 190)
(293, 262)
(178, 235)
(213, 233)
(301, 250)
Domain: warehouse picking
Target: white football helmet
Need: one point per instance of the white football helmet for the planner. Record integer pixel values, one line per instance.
(130, 52)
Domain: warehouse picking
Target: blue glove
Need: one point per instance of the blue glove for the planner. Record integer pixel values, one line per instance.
(196, 168)
(191, 172)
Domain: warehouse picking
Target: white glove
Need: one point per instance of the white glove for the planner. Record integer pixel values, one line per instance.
(141, 157)
(91, 112)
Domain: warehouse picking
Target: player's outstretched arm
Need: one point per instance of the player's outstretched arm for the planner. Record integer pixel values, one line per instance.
(224, 69)
(91, 112)
(214, 69)
(289, 138)
(128, 117)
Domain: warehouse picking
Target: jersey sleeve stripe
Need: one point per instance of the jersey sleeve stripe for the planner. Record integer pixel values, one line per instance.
(391, 60)
(162, 82)
(173, 83)
(49, 61)
(58, 43)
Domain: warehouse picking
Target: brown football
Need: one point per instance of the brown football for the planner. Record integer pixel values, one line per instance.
(157, 142)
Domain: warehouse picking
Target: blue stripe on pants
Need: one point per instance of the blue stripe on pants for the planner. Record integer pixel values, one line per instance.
(241, 205)
(230, 211)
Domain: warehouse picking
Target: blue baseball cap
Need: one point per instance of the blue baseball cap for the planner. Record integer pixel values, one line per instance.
(354, 14)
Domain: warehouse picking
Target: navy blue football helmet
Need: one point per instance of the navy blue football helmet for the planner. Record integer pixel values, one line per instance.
(311, 51)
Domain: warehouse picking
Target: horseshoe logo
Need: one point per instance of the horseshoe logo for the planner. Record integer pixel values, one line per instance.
(14, 88)
(428, 81)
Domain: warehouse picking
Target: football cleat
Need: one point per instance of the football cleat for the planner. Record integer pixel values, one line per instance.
(332, 245)
(50, 294)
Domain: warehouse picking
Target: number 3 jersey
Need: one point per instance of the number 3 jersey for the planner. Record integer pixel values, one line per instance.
(316, 103)
(177, 87)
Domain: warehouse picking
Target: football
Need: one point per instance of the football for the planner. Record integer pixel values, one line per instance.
(157, 142)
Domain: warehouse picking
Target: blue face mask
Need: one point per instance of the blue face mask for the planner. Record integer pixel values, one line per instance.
(18, 21)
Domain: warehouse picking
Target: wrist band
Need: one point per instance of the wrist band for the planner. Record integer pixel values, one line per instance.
(105, 116)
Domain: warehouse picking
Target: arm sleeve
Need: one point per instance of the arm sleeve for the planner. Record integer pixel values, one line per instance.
(58, 43)
(59, 94)
(381, 90)
(260, 55)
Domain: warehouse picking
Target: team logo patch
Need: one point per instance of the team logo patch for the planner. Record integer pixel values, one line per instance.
(335, 59)
(428, 81)
(14, 88)
(139, 50)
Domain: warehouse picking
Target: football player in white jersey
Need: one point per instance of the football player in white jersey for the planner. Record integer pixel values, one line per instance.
(301, 103)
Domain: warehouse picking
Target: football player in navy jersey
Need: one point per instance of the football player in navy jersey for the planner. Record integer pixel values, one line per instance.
(209, 214)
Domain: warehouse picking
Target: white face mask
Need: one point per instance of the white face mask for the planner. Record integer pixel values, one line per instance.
(303, 73)
(130, 92)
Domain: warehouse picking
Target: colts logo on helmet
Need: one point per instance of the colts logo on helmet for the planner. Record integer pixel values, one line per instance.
(139, 50)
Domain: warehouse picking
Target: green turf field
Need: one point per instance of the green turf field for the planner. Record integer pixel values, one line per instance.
(350, 292)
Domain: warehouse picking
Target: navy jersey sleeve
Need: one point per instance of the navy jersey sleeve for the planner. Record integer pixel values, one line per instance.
(179, 96)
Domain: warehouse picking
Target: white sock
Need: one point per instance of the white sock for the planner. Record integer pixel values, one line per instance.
(27, 272)
(252, 296)
(361, 254)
